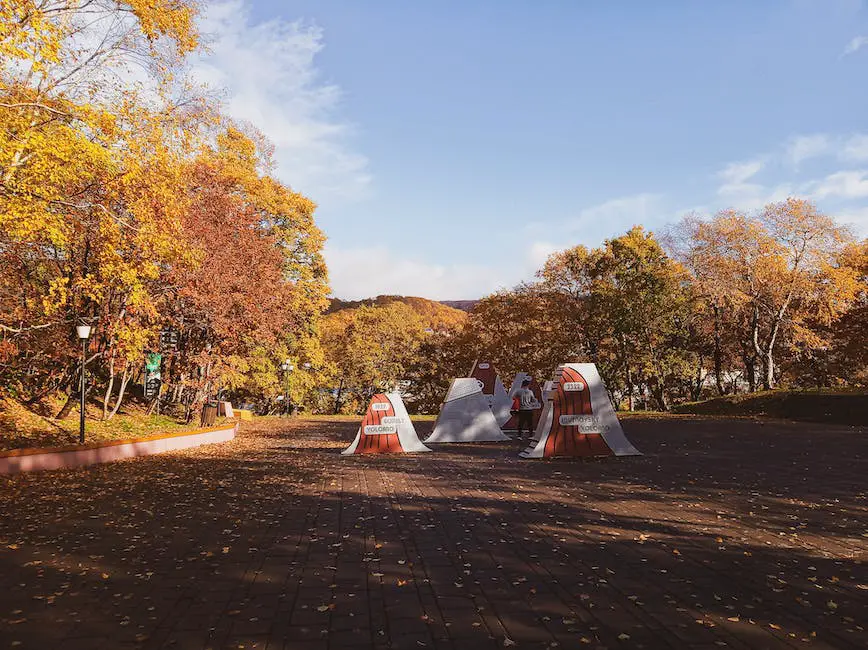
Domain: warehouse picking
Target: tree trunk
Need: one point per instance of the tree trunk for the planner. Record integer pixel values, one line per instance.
(718, 354)
(65, 410)
(108, 391)
(176, 394)
(757, 350)
(696, 388)
(748, 359)
(47, 390)
(152, 405)
(71, 401)
(768, 370)
(188, 408)
(74, 390)
(769, 352)
(338, 397)
(750, 371)
(660, 396)
(125, 378)
(629, 375)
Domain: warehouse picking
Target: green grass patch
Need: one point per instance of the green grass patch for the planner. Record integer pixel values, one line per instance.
(22, 427)
(834, 407)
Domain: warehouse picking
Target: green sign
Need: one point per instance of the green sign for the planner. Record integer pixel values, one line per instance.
(152, 361)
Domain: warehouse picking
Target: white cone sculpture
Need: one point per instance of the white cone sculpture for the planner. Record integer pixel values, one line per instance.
(465, 417)
(493, 389)
(386, 428)
(581, 420)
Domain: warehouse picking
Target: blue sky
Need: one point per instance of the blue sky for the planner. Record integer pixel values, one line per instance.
(452, 145)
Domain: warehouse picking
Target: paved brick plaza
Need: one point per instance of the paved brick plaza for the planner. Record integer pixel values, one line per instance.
(728, 533)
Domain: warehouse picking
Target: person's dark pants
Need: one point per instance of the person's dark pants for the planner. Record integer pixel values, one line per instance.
(525, 418)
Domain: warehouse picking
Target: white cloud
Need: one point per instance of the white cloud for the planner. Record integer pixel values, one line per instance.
(838, 190)
(750, 196)
(364, 272)
(616, 214)
(738, 173)
(857, 217)
(269, 73)
(845, 185)
(855, 45)
(856, 148)
(539, 252)
(804, 147)
(736, 192)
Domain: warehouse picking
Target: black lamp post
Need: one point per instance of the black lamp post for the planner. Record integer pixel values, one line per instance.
(83, 332)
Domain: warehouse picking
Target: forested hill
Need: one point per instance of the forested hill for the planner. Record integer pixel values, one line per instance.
(463, 305)
(434, 314)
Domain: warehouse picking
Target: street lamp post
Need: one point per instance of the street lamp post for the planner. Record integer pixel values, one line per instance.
(83, 332)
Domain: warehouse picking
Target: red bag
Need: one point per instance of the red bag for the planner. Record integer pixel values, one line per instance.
(516, 405)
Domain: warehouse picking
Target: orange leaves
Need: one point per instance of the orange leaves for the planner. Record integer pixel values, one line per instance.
(776, 279)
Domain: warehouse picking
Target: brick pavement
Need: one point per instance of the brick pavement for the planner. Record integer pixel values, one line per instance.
(728, 533)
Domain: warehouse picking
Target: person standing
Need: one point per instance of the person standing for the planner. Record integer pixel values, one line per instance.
(526, 405)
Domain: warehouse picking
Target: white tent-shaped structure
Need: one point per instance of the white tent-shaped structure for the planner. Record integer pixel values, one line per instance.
(578, 419)
(386, 428)
(493, 389)
(464, 416)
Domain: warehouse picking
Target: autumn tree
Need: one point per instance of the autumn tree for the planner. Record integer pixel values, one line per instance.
(776, 273)
(527, 329)
(442, 355)
(125, 200)
(371, 348)
(631, 304)
(844, 361)
(90, 185)
(260, 281)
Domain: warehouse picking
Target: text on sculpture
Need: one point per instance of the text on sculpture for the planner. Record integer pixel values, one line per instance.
(380, 429)
(588, 423)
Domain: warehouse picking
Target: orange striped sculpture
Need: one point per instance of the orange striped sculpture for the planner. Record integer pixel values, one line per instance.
(386, 428)
(579, 419)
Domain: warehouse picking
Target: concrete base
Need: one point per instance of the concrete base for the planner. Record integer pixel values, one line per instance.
(32, 460)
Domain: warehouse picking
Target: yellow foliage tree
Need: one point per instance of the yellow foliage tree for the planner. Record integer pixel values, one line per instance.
(779, 272)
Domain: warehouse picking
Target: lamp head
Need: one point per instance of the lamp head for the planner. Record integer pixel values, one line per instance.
(83, 331)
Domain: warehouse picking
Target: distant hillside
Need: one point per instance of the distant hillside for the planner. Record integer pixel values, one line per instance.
(435, 314)
(463, 305)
